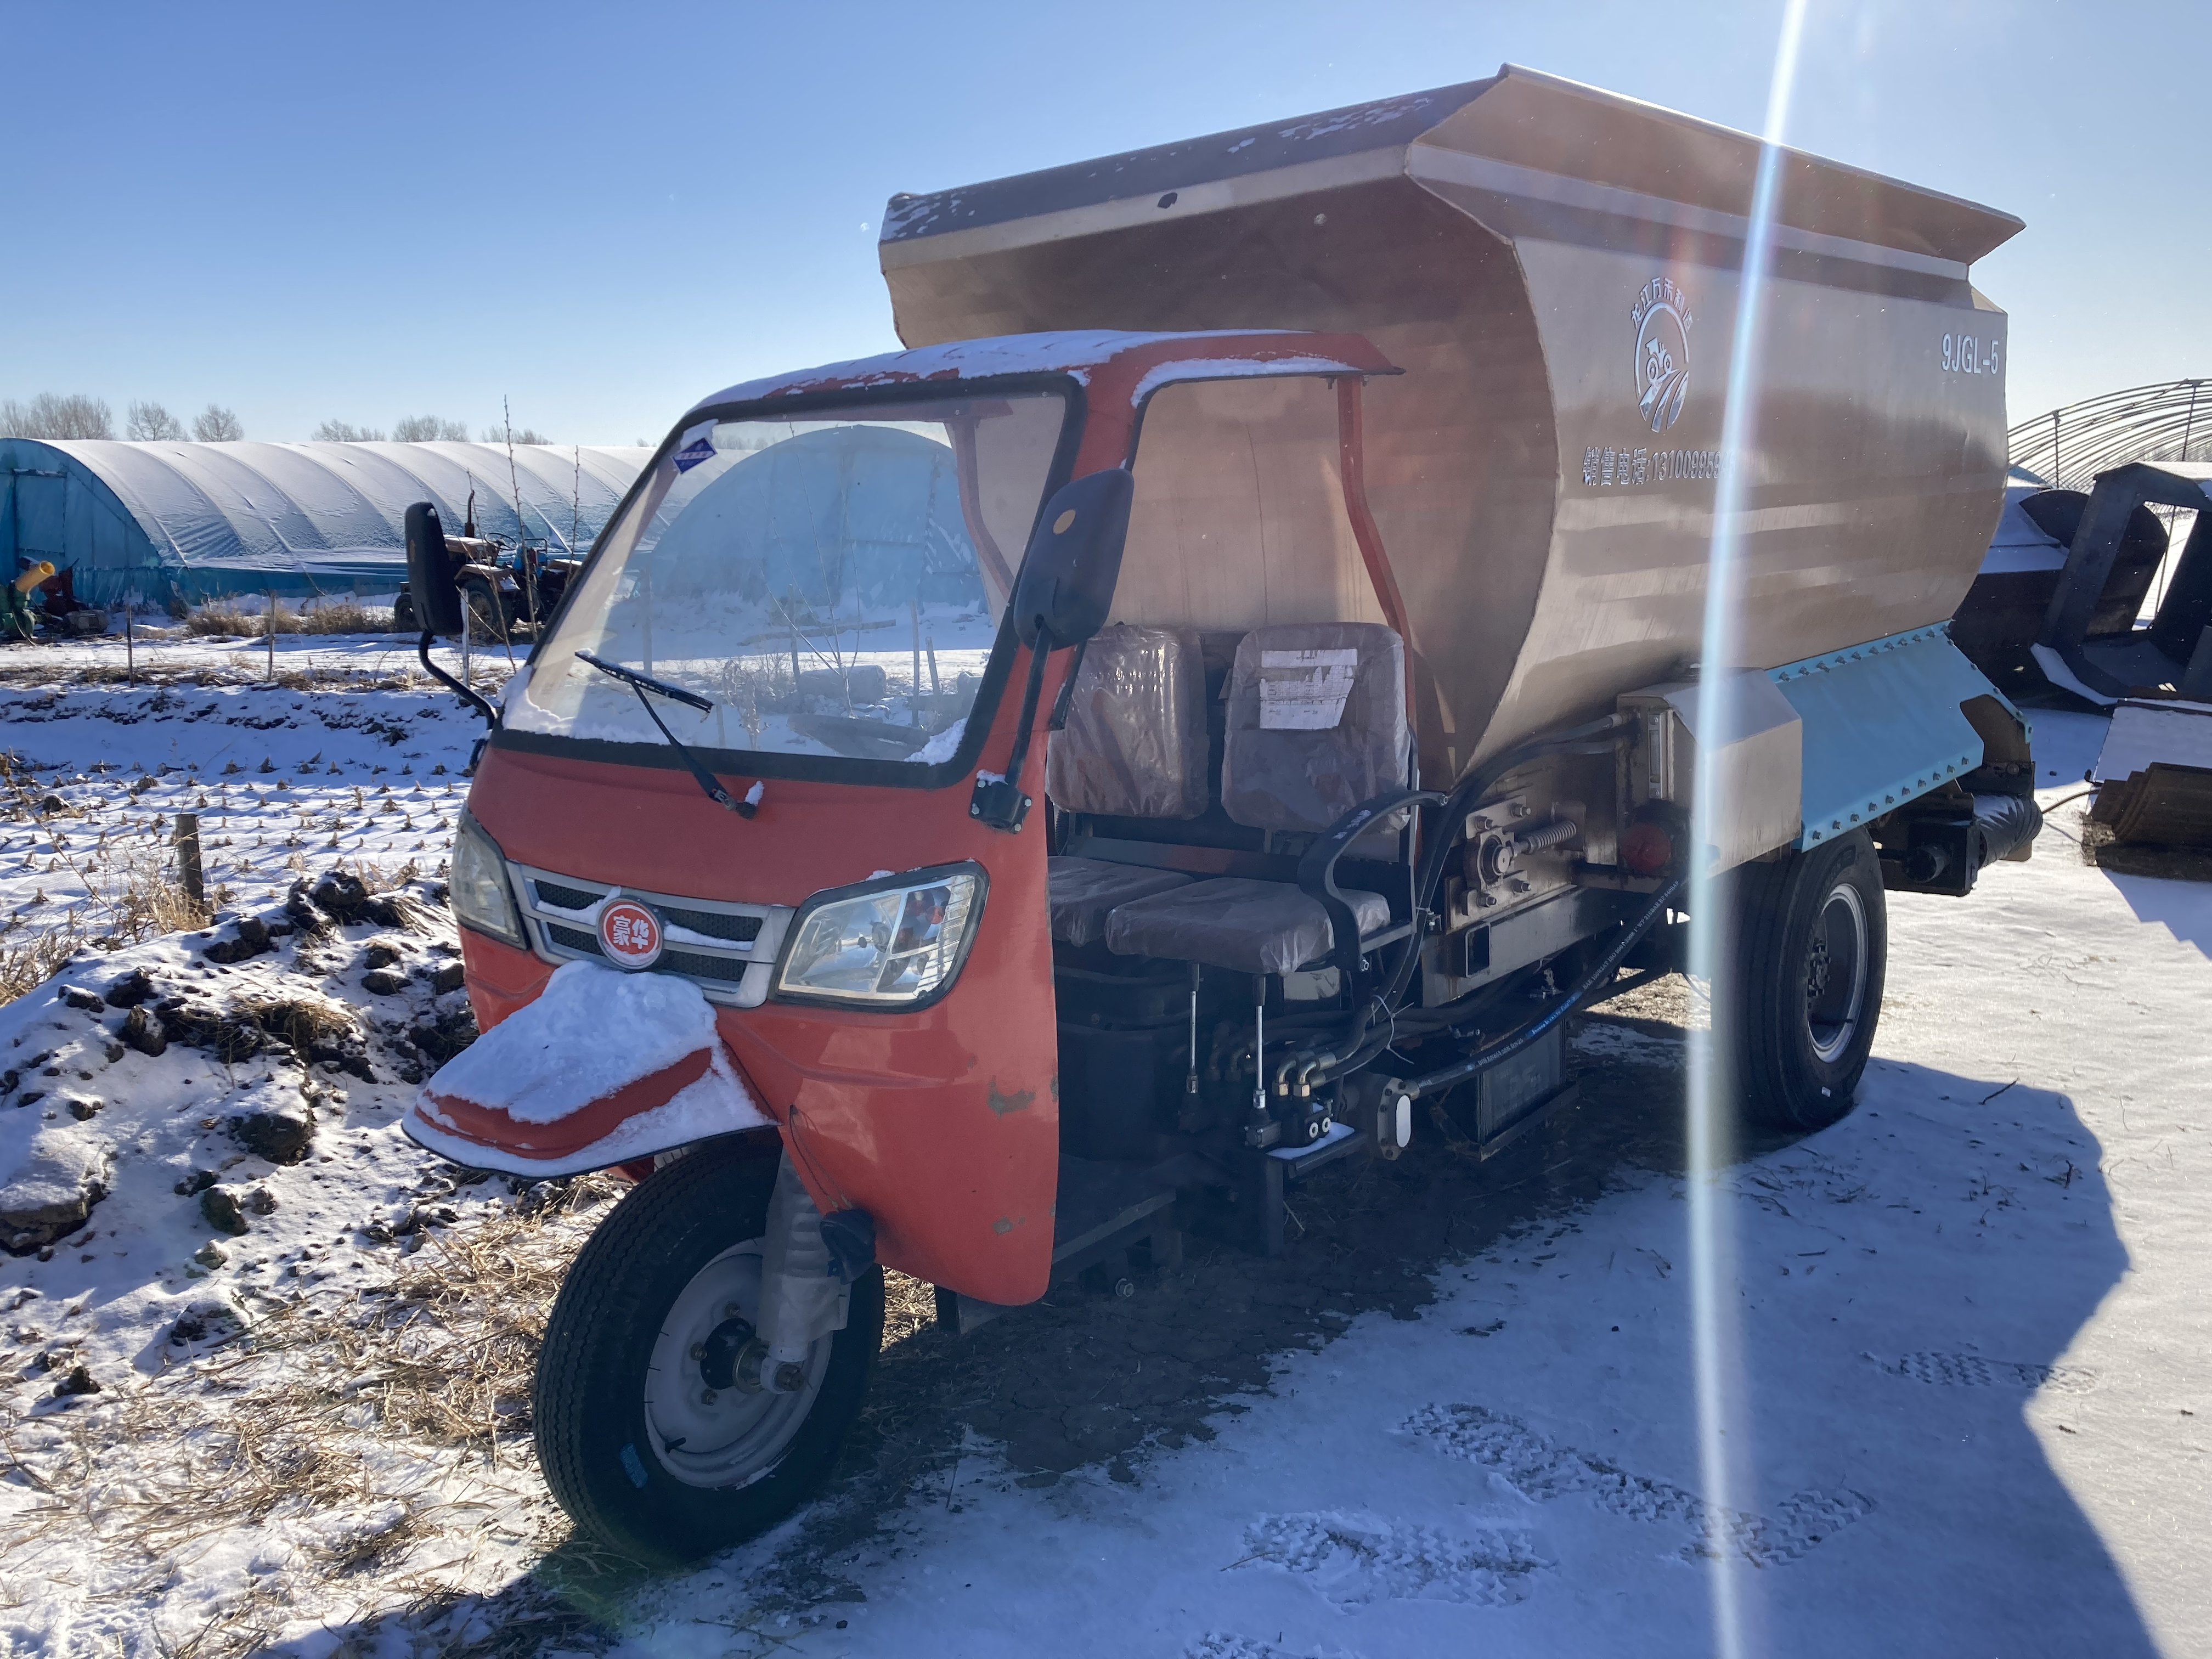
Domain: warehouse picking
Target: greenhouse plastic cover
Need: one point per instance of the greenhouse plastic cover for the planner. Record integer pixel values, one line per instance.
(339, 509)
(1134, 744)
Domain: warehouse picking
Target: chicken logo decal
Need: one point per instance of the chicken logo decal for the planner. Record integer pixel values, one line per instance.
(1662, 318)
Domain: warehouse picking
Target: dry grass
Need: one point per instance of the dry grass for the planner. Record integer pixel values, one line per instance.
(32, 671)
(130, 899)
(369, 1443)
(292, 1428)
(446, 1358)
(227, 619)
(909, 1306)
(301, 1021)
(142, 902)
(27, 966)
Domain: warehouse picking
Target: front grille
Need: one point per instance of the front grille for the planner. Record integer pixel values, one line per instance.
(714, 924)
(691, 965)
(723, 970)
(568, 898)
(569, 938)
(729, 953)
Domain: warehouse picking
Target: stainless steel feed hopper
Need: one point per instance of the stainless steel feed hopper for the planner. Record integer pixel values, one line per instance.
(1556, 268)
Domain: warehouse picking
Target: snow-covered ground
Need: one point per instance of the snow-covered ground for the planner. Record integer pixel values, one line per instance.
(285, 775)
(1968, 1377)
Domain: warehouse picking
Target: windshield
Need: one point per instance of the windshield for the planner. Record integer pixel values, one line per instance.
(832, 587)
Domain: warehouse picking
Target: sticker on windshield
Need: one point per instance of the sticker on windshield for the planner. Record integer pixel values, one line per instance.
(698, 450)
(1304, 691)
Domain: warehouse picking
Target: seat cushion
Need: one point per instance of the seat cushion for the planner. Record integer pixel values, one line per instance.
(1248, 926)
(1317, 724)
(1083, 891)
(1135, 743)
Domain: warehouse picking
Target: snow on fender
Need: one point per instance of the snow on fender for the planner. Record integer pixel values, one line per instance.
(603, 1068)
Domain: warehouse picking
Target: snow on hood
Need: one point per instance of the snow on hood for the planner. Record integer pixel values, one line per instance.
(594, 1030)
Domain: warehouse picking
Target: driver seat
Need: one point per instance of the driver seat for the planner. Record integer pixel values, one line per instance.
(1316, 724)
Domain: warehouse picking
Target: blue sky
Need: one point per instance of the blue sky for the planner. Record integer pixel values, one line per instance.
(362, 211)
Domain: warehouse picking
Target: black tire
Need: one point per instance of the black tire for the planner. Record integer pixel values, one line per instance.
(403, 614)
(593, 1404)
(1800, 983)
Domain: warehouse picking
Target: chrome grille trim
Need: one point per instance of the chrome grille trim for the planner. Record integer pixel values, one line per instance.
(731, 970)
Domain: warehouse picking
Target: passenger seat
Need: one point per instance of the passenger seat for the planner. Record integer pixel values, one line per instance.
(1134, 745)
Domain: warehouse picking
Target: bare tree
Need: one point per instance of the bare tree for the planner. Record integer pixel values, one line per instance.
(343, 431)
(152, 423)
(216, 425)
(428, 428)
(53, 415)
(524, 434)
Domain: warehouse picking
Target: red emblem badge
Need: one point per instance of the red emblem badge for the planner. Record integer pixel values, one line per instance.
(629, 934)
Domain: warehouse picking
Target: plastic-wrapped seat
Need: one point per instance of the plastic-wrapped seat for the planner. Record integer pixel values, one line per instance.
(1083, 893)
(1317, 724)
(1247, 927)
(1134, 744)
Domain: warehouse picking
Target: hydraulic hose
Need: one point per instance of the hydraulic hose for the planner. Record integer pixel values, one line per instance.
(2003, 825)
(1599, 736)
(1609, 964)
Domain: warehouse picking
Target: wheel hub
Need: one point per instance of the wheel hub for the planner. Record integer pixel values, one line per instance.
(1816, 969)
(708, 1425)
(1837, 959)
(718, 1354)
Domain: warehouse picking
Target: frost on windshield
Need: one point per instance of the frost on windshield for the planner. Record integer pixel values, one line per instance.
(832, 587)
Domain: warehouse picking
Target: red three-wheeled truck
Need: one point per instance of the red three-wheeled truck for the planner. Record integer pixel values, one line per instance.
(983, 809)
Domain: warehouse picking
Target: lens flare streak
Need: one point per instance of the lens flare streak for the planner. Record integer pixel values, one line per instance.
(1716, 1332)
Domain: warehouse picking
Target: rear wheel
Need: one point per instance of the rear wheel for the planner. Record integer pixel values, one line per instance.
(1801, 982)
(645, 1437)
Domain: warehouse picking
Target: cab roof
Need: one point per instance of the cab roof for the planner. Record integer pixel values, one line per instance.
(1112, 362)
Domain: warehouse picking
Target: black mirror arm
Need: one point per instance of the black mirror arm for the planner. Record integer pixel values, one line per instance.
(999, 802)
(467, 694)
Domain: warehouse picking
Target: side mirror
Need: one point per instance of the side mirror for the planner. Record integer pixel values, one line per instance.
(430, 572)
(1066, 581)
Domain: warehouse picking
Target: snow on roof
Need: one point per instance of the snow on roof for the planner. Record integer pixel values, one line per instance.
(290, 507)
(1075, 353)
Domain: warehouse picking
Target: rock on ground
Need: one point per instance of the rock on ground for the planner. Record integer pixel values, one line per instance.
(55, 1188)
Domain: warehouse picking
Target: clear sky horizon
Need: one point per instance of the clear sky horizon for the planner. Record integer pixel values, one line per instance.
(362, 213)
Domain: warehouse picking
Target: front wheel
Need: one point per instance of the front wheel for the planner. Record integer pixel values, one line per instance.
(1803, 962)
(636, 1441)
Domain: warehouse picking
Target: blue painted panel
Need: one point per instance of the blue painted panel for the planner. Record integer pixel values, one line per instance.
(1882, 726)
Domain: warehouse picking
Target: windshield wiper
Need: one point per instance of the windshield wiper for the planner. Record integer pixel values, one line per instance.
(642, 684)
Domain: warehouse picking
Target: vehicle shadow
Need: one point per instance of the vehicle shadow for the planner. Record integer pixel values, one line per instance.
(1898, 1500)
(2184, 908)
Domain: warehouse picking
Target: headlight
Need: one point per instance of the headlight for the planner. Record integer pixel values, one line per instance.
(896, 943)
(481, 898)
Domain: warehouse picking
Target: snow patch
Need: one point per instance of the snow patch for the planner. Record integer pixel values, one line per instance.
(1540, 1469)
(942, 747)
(1356, 1560)
(716, 1104)
(591, 1032)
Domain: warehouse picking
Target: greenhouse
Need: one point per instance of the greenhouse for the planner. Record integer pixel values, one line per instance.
(166, 522)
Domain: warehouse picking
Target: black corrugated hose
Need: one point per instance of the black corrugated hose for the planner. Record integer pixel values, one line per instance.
(1598, 737)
